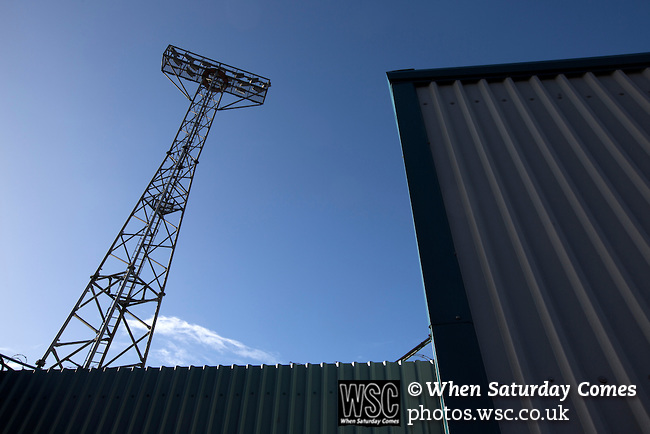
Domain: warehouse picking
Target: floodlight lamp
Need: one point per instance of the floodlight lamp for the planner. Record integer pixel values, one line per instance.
(175, 56)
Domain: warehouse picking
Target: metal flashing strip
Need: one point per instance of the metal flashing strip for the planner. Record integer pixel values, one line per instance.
(457, 351)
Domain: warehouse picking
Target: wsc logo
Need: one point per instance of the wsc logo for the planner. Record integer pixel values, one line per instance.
(369, 402)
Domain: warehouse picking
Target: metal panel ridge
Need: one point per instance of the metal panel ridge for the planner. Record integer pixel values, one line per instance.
(544, 170)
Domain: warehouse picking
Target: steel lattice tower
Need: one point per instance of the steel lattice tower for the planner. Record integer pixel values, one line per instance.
(113, 321)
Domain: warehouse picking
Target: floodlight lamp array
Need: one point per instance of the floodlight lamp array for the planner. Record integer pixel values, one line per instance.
(248, 88)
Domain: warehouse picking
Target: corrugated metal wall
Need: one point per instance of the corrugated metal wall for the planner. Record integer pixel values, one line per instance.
(545, 174)
(224, 399)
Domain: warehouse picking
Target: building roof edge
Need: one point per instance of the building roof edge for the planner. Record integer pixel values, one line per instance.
(523, 69)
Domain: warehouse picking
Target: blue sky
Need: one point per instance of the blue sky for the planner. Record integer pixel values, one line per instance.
(298, 243)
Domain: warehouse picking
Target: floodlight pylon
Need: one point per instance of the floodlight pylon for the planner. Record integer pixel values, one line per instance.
(113, 321)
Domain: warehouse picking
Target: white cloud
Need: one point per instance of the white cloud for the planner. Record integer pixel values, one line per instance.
(179, 343)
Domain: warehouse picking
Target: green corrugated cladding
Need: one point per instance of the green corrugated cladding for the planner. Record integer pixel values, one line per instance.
(218, 399)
